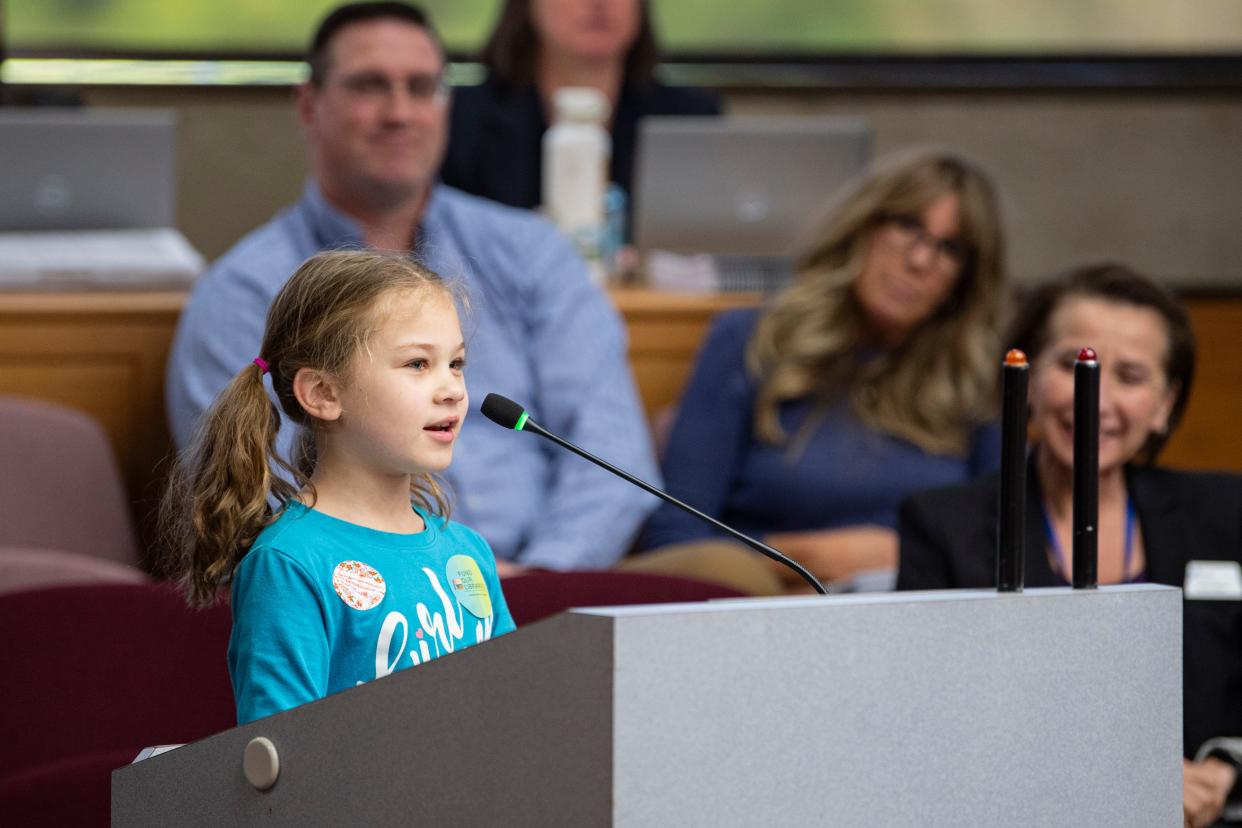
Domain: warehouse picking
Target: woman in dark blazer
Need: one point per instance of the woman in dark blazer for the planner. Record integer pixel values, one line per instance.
(537, 47)
(1152, 523)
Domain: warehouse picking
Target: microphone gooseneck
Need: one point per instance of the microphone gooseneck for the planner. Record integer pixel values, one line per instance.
(505, 412)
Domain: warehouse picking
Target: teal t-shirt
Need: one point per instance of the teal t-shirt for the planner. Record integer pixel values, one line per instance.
(321, 605)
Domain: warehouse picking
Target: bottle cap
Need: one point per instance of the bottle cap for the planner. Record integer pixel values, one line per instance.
(581, 104)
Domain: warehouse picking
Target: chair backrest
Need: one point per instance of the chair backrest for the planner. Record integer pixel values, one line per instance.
(75, 791)
(106, 666)
(59, 483)
(537, 595)
(23, 569)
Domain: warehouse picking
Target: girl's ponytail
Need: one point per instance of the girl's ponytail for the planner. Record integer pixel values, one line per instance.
(218, 496)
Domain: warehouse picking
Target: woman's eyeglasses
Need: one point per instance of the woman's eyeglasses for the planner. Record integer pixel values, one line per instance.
(909, 233)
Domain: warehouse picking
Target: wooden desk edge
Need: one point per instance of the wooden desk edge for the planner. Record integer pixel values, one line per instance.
(630, 300)
(103, 302)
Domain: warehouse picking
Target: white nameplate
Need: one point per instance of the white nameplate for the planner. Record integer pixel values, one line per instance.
(1213, 581)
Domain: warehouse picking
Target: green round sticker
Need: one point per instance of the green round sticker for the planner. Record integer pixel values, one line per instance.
(462, 573)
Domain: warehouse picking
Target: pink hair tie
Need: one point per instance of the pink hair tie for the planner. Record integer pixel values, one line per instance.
(262, 363)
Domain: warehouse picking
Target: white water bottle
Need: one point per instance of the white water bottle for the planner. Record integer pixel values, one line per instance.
(576, 153)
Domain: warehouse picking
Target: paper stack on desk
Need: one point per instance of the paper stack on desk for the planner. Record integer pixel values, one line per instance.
(135, 259)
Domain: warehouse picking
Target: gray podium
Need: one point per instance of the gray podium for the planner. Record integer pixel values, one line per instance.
(1050, 707)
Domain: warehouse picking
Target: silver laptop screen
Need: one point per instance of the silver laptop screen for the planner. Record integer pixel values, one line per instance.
(740, 186)
(83, 169)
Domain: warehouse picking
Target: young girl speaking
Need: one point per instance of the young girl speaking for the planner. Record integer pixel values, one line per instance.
(357, 571)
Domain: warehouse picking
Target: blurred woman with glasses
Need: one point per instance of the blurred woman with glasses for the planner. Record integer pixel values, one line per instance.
(869, 378)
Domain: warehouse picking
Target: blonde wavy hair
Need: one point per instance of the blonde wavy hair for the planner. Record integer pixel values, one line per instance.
(940, 381)
(220, 492)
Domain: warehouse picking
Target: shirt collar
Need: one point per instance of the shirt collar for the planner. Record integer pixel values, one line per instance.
(334, 229)
(331, 227)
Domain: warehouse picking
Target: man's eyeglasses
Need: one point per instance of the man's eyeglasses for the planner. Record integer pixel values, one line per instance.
(374, 86)
(909, 232)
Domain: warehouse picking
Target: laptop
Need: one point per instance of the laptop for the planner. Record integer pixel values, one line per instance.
(722, 203)
(90, 199)
(86, 169)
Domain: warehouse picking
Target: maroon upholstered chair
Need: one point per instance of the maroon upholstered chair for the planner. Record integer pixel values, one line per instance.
(75, 791)
(23, 569)
(59, 484)
(536, 595)
(90, 669)
(95, 673)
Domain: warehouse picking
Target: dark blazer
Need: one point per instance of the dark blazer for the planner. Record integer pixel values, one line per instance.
(496, 136)
(948, 541)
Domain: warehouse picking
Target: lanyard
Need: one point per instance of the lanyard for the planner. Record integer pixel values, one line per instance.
(1063, 565)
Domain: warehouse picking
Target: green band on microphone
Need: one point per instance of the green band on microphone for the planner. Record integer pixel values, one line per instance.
(521, 421)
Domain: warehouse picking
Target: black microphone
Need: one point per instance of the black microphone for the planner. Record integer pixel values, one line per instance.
(505, 412)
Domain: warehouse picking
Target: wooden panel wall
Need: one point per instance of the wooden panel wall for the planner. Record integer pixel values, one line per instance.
(1210, 436)
(104, 353)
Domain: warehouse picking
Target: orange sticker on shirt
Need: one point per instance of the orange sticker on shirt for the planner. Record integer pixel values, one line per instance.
(358, 585)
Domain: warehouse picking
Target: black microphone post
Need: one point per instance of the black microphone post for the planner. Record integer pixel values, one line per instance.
(505, 412)
(1086, 469)
(1011, 540)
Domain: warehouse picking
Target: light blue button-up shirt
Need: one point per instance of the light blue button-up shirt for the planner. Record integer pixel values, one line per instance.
(537, 331)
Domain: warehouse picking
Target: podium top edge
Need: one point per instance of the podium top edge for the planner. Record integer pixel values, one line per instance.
(864, 598)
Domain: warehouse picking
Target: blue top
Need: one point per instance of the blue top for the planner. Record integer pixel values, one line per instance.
(847, 474)
(321, 605)
(537, 331)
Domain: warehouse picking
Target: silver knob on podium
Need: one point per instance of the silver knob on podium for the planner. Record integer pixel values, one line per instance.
(261, 763)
